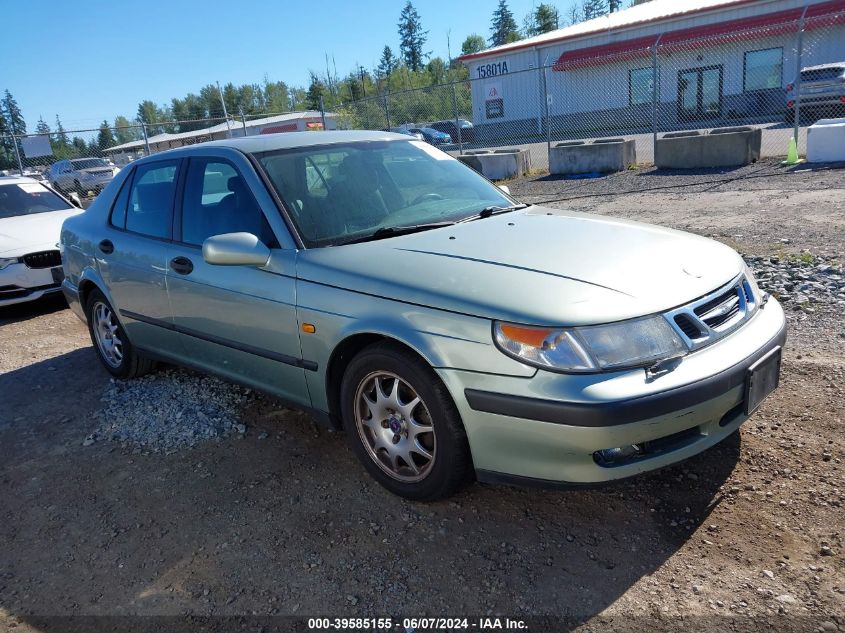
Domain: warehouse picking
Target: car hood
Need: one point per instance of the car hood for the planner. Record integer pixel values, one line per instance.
(537, 266)
(24, 234)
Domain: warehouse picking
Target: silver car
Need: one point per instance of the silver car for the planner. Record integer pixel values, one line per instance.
(822, 91)
(81, 175)
(375, 281)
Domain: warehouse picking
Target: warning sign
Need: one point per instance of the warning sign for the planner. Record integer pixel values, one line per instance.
(493, 90)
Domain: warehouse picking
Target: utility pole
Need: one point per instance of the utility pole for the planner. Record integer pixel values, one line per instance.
(363, 85)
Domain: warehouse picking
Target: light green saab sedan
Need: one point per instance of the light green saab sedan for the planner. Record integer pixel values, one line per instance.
(378, 283)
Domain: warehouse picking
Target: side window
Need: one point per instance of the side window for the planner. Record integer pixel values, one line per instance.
(151, 199)
(118, 210)
(217, 200)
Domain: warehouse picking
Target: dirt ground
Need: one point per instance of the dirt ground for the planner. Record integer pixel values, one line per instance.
(284, 522)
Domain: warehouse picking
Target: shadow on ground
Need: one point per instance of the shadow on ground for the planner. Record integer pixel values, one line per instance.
(286, 522)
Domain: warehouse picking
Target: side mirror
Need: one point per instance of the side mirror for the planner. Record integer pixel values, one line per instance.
(75, 200)
(235, 249)
(505, 188)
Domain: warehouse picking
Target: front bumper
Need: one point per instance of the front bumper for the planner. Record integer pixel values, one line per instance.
(546, 429)
(19, 284)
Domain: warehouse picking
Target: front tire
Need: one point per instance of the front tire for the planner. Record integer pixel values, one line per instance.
(403, 425)
(112, 345)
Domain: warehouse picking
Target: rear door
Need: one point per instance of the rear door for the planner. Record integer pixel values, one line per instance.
(238, 321)
(132, 254)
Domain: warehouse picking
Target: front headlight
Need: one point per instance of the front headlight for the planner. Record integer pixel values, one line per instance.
(7, 261)
(634, 343)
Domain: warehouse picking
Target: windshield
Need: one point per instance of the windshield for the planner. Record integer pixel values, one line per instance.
(89, 163)
(337, 193)
(24, 198)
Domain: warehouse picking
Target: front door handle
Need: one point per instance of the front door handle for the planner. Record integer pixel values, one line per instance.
(107, 247)
(181, 265)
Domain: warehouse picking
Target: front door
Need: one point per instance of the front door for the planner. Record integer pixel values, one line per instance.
(700, 93)
(237, 321)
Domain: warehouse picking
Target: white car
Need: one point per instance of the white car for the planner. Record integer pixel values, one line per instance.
(31, 217)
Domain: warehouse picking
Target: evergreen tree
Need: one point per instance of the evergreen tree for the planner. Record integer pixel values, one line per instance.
(61, 135)
(316, 89)
(473, 44)
(594, 9)
(614, 5)
(387, 63)
(276, 96)
(503, 27)
(546, 19)
(12, 113)
(411, 38)
(41, 127)
(105, 138)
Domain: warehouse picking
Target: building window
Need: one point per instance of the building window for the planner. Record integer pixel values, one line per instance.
(763, 70)
(640, 85)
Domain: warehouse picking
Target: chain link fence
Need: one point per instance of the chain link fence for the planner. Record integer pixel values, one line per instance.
(749, 74)
(80, 160)
(639, 89)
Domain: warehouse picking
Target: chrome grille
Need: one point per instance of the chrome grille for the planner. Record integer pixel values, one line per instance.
(715, 315)
(43, 259)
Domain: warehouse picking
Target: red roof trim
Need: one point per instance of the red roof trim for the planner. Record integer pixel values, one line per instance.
(565, 38)
(744, 28)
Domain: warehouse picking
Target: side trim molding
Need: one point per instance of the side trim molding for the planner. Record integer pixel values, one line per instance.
(241, 347)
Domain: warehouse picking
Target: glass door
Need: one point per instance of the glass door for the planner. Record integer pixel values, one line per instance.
(700, 93)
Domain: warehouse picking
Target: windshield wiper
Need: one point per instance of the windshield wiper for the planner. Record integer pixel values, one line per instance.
(486, 212)
(393, 231)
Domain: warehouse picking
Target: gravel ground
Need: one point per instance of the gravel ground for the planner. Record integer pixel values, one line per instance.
(146, 498)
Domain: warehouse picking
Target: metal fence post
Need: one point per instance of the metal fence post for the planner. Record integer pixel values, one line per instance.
(146, 140)
(17, 154)
(655, 96)
(243, 118)
(548, 120)
(457, 121)
(387, 109)
(323, 113)
(797, 122)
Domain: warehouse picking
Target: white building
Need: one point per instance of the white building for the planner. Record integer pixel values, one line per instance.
(718, 62)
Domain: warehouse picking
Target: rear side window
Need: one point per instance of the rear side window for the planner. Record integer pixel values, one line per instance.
(150, 208)
(118, 210)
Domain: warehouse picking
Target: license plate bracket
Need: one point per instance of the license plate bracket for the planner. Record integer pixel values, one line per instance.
(761, 379)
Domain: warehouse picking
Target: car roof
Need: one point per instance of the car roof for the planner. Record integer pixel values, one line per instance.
(15, 180)
(291, 140)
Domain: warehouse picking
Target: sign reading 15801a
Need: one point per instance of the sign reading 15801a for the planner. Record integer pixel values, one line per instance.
(492, 70)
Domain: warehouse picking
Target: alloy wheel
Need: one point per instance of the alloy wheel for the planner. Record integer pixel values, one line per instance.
(107, 334)
(395, 426)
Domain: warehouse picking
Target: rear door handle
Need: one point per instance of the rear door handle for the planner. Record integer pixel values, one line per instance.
(181, 265)
(107, 247)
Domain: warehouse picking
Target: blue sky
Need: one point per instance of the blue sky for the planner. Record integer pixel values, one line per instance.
(90, 60)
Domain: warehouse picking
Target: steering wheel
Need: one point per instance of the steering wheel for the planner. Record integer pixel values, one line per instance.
(427, 196)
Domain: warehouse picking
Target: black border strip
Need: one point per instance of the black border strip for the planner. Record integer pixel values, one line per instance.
(622, 411)
(249, 349)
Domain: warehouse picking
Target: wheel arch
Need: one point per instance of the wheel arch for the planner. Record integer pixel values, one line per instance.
(342, 355)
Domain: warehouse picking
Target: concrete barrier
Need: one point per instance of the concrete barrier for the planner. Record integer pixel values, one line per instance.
(722, 147)
(498, 164)
(826, 141)
(602, 155)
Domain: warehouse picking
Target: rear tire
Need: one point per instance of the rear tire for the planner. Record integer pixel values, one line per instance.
(402, 424)
(112, 345)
